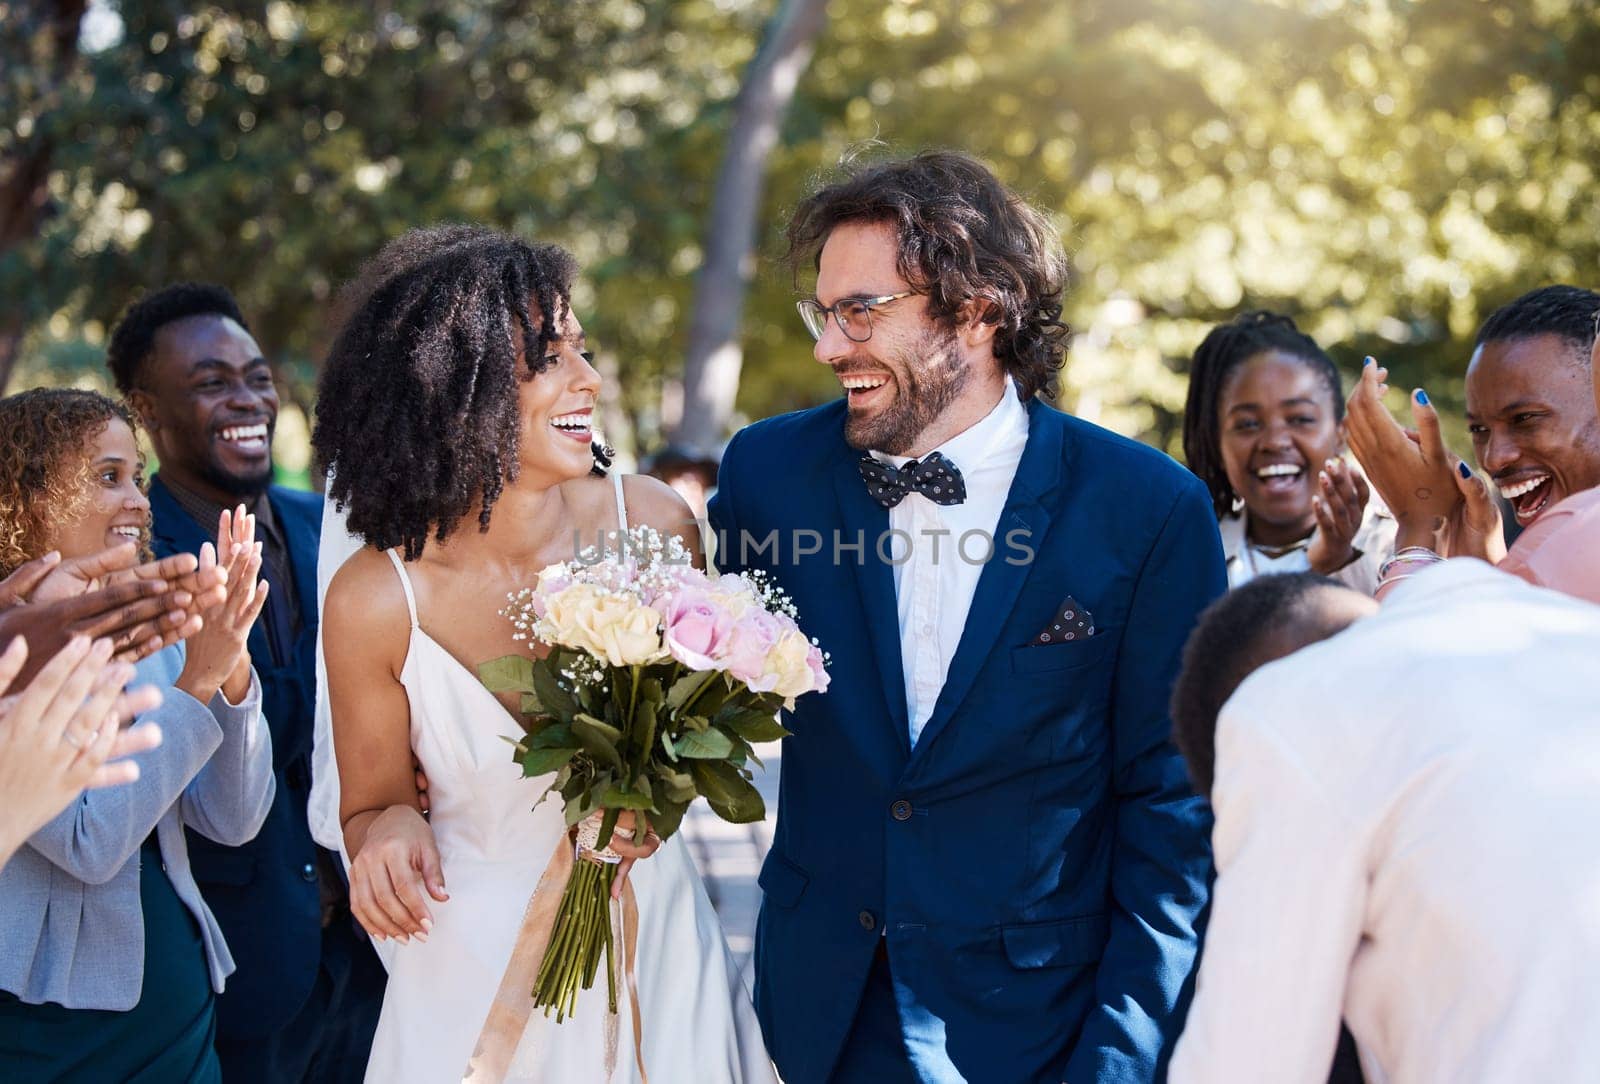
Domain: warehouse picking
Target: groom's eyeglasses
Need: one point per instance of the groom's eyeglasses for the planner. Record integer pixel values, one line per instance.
(853, 315)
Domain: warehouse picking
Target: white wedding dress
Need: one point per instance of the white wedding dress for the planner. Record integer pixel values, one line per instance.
(697, 1020)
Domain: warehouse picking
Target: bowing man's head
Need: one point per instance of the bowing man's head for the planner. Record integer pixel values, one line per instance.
(1265, 620)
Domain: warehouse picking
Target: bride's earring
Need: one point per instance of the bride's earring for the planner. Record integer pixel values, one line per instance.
(604, 455)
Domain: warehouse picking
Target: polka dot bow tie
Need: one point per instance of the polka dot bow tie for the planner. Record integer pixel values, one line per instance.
(935, 477)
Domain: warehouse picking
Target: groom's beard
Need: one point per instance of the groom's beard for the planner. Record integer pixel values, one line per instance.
(927, 380)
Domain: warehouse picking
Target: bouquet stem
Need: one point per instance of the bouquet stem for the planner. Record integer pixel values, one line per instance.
(581, 936)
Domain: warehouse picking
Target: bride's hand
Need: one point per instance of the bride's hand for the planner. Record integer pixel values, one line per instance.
(631, 850)
(397, 859)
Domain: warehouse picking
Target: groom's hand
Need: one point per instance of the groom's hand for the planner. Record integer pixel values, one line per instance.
(632, 848)
(397, 859)
(422, 787)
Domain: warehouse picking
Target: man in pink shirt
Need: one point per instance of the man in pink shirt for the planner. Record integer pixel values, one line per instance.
(1533, 410)
(1562, 547)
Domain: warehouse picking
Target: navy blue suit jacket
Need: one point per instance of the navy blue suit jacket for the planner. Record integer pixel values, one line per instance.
(265, 893)
(1038, 864)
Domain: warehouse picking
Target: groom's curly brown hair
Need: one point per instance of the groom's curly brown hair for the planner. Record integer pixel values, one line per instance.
(962, 236)
(417, 416)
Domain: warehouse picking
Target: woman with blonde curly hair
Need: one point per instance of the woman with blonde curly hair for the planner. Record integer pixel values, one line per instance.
(124, 989)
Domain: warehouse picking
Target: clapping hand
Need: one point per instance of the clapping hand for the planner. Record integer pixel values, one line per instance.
(140, 609)
(1415, 477)
(1474, 529)
(1339, 508)
(59, 732)
(217, 658)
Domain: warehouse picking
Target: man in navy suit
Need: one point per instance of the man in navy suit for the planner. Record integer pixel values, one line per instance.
(988, 864)
(304, 1002)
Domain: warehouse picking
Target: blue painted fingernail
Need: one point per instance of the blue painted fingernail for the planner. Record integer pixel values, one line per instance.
(1422, 397)
(1465, 471)
(1368, 361)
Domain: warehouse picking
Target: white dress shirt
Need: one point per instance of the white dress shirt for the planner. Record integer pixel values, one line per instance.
(1408, 833)
(940, 550)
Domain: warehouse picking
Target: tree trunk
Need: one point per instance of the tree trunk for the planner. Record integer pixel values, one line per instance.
(711, 365)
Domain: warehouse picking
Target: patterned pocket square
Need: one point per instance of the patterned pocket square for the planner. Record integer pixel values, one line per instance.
(1071, 622)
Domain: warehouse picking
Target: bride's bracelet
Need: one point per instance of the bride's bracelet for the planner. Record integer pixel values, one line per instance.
(1412, 558)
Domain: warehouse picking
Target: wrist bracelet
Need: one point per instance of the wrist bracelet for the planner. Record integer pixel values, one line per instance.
(1410, 556)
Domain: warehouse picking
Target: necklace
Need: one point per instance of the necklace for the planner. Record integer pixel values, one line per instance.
(1272, 553)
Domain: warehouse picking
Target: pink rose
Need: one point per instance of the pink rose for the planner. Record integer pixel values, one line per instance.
(667, 582)
(819, 672)
(697, 629)
(750, 640)
(552, 581)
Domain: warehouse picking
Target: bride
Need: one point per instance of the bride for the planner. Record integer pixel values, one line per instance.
(455, 419)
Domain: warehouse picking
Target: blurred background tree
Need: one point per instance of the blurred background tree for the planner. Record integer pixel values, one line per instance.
(1386, 170)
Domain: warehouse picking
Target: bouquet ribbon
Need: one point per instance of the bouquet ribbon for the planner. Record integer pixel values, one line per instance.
(512, 1006)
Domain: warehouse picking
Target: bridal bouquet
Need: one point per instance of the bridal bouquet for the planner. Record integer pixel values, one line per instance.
(659, 679)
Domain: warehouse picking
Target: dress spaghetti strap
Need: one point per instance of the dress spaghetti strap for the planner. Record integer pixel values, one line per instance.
(622, 511)
(405, 582)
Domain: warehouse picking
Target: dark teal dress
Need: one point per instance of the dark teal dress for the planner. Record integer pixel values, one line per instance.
(166, 1037)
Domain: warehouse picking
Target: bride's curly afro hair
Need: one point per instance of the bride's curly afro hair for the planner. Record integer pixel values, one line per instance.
(417, 418)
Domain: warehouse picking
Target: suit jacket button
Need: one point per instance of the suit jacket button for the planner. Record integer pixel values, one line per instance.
(901, 810)
(868, 922)
(308, 872)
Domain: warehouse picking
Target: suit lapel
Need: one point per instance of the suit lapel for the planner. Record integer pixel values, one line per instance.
(1027, 509)
(300, 535)
(863, 517)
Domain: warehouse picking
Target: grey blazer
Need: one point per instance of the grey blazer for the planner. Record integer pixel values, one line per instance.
(73, 929)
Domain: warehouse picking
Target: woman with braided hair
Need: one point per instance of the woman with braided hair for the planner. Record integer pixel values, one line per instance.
(456, 422)
(1264, 429)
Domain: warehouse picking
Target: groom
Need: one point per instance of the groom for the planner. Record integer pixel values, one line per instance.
(988, 862)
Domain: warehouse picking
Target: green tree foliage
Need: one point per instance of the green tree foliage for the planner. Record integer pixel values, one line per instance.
(274, 147)
(1386, 170)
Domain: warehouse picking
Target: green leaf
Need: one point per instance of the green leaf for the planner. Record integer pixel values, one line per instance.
(675, 786)
(575, 785)
(508, 674)
(619, 798)
(559, 736)
(576, 811)
(592, 700)
(684, 689)
(709, 744)
(667, 817)
(696, 723)
(666, 743)
(608, 824)
(599, 726)
(753, 724)
(556, 700)
(622, 679)
(537, 762)
(715, 696)
(599, 739)
(530, 705)
(730, 795)
(650, 691)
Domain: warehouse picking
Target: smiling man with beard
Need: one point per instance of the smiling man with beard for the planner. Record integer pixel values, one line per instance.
(988, 864)
(304, 1001)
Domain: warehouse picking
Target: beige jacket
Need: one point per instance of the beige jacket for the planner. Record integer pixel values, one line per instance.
(1374, 544)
